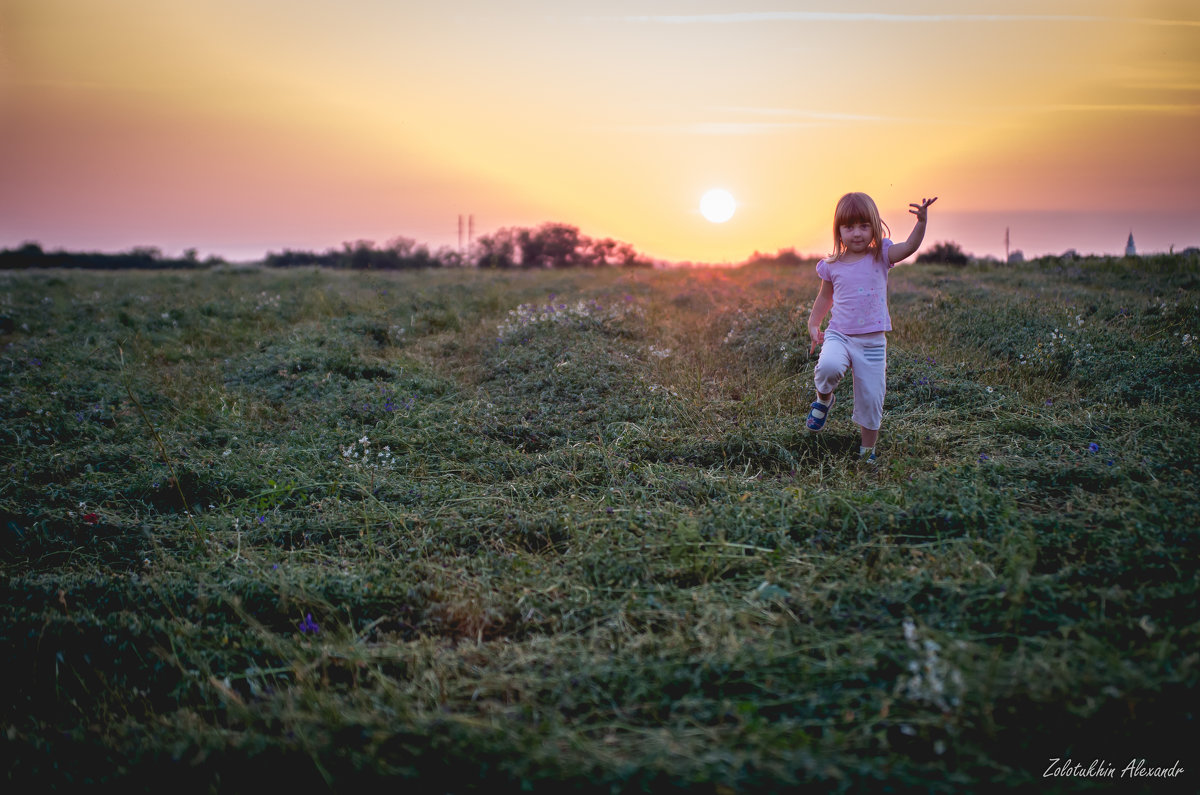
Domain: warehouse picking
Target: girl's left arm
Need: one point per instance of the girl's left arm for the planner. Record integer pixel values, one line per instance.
(901, 251)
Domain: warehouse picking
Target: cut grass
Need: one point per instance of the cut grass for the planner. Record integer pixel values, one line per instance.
(566, 530)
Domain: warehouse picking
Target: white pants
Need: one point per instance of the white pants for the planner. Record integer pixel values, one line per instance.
(866, 355)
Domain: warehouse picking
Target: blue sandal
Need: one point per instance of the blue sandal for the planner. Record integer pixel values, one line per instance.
(819, 413)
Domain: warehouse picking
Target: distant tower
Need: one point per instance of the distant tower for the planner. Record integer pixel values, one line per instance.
(1130, 249)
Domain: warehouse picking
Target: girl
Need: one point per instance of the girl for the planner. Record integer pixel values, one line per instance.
(854, 285)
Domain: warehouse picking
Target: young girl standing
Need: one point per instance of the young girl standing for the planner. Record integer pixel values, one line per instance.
(854, 286)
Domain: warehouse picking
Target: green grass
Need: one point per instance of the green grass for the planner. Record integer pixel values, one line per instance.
(566, 531)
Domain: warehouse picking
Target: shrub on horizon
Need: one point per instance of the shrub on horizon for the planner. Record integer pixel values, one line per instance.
(948, 253)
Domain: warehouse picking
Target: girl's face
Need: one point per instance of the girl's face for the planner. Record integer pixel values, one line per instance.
(856, 236)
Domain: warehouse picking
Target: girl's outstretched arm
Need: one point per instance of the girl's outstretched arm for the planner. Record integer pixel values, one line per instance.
(901, 251)
(820, 309)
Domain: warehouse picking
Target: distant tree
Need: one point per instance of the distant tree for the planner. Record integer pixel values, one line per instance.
(359, 255)
(447, 257)
(948, 253)
(784, 256)
(552, 246)
(294, 259)
(609, 252)
(404, 252)
(497, 250)
(30, 255)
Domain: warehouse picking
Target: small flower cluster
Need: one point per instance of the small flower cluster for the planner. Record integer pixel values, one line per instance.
(659, 353)
(390, 403)
(91, 517)
(265, 300)
(656, 388)
(1058, 347)
(581, 313)
(930, 679)
(367, 458)
(1186, 340)
(95, 411)
(926, 370)
(739, 326)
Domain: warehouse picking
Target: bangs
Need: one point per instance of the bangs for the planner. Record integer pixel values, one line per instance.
(855, 208)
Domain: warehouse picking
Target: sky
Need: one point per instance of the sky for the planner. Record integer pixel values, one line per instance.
(242, 127)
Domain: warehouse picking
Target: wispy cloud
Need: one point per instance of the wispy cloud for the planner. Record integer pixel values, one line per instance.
(718, 128)
(1161, 85)
(850, 16)
(769, 120)
(1185, 109)
(817, 116)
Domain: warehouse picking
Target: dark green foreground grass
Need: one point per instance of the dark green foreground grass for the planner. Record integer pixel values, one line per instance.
(465, 531)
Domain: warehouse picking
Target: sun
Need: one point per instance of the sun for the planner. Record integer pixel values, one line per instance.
(717, 205)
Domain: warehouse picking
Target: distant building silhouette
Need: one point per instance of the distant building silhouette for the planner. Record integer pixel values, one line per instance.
(1130, 249)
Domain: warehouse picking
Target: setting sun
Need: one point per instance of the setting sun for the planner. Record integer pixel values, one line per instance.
(717, 205)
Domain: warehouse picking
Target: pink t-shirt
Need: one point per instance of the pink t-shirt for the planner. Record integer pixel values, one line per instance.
(859, 293)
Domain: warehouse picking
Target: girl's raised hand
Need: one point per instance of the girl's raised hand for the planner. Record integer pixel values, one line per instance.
(922, 209)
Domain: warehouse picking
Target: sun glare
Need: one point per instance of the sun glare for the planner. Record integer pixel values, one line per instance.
(717, 205)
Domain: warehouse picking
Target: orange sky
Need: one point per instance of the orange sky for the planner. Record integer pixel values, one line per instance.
(240, 127)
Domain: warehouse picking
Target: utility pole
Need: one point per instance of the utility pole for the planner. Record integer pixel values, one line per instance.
(470, 232)
(460, 248)
(1006, 245)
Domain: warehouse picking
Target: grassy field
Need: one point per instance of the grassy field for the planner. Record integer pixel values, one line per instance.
(566, 530)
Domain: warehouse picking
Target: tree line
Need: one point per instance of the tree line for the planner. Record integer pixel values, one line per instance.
(32, 255)
(552, 245)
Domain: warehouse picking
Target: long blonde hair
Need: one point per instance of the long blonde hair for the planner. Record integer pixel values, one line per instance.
(855, 208)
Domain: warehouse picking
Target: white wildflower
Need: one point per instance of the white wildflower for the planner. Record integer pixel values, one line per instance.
(365, 458)
(930, 679)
